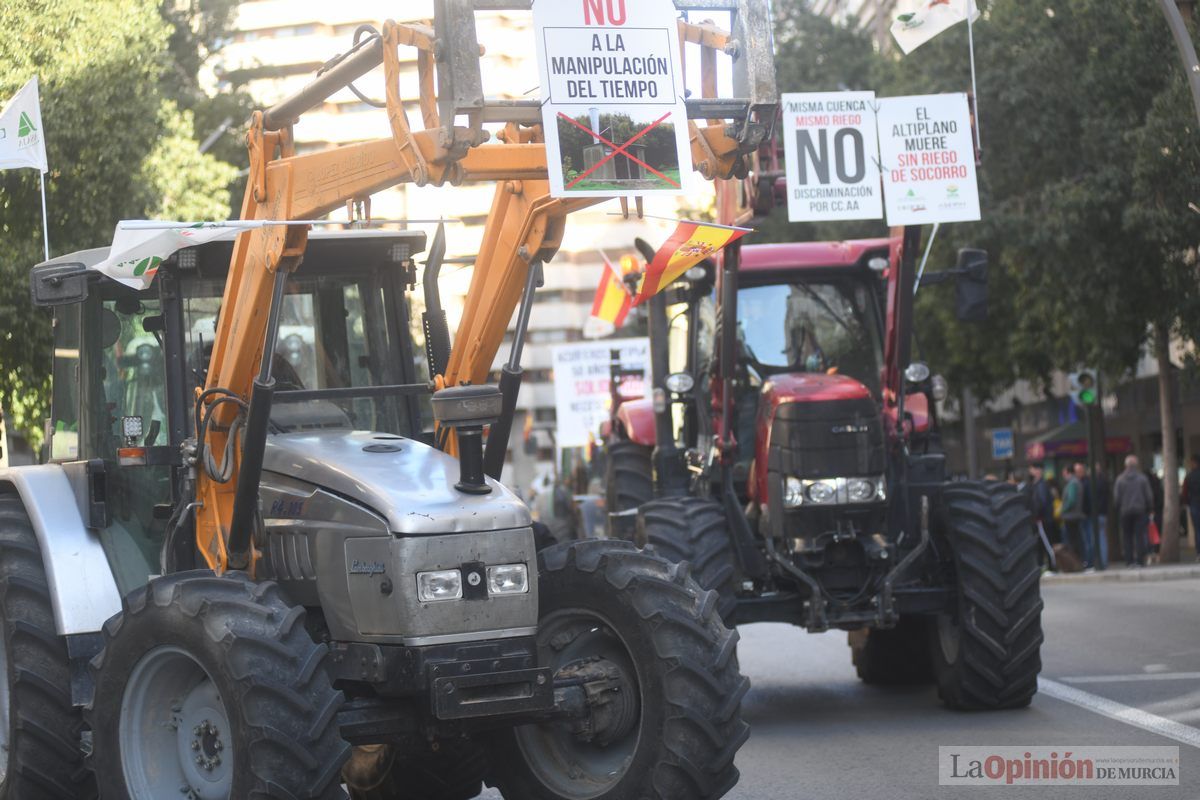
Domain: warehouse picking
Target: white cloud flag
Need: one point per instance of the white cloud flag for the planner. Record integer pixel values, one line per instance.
(915, 28)
(22, 141)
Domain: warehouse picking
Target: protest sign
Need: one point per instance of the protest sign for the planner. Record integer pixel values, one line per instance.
(928, 159)
(831, 148)
(581, 384)
(613, 106)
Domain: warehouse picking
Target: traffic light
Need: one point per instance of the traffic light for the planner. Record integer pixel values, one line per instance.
(1084, 387)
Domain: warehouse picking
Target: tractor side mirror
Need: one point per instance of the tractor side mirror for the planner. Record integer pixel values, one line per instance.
(58, 284)
(971, 286)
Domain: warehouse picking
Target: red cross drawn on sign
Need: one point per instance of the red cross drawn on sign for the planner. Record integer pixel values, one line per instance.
(619, 150)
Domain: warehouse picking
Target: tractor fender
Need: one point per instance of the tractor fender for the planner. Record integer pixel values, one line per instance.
(637, 418)
(82, 588)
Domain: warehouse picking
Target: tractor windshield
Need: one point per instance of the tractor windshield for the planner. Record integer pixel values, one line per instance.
(336, 332)
(828, 326)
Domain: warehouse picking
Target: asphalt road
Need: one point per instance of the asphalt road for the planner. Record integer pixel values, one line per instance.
(1113, 648)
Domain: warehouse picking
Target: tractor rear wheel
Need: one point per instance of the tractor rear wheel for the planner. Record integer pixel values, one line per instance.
(896, 656)
(211, 689)
(694, 529)
(662, 689)
(628, 484)
(453, 771)
(987, 652)
(40, 757)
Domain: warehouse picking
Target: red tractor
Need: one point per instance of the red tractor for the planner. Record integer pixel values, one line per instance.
(796, 464)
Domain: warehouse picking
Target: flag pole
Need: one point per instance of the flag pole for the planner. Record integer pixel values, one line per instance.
(974, 91)
(45, 221)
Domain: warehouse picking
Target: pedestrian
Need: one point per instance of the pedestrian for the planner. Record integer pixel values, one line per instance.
(1134, 503)
(1191, 497)
(1072, 514)
(1096, 501)
(1156, 516)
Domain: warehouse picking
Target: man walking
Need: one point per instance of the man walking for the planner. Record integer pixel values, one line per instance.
(1191, 496)
(1072, 514)
(1134, 502)
(1095, 505)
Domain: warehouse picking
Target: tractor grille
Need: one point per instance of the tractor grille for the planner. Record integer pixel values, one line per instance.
(837, 438)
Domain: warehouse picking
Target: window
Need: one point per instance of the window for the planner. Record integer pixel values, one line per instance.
(335, 332)
(829, 326)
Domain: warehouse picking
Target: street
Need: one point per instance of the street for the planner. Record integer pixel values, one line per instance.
(817, 732)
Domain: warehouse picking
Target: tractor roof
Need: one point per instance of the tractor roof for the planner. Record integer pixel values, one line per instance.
(809, 255)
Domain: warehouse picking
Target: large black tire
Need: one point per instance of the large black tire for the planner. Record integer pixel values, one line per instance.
(454, 771)
(695, 530)
(896, 656)
(628, 484)
(687, 725)
(42, 729)
(987, 653)
(266, 671)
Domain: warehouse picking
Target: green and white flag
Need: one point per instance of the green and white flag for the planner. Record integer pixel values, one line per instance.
(22, 143)
(141, 245)
(931, 17)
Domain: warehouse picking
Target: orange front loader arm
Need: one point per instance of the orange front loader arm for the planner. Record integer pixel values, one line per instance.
(525, 224)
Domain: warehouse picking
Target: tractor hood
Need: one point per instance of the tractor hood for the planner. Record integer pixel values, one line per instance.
(408, 483)
(810, 387)
(814, 426)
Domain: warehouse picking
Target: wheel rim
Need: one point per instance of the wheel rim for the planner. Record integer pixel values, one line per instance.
(948, 635)
(174, 730)
(5, 714)
(566, 763)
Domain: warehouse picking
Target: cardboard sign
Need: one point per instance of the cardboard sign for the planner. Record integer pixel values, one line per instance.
(928, 159)
(612, 97)
(581, 385)
(831, 147)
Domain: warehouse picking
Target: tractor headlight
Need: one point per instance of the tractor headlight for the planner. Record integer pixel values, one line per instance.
(793, 493)
(821, 492)
(833, 491)
(866, 490)
(508, 579)
(442, 584)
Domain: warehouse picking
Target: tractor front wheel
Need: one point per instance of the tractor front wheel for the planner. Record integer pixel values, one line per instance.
(628, 484)
(987, 651)
(211, 689)
(40, 757)
(662, 689)
(694, 529)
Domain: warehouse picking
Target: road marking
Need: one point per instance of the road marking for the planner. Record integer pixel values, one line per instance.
(1120, 712)
(1141, 676)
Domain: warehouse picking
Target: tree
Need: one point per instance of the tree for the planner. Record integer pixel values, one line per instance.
(118, 147)
(1089, 162)
(1088, 203)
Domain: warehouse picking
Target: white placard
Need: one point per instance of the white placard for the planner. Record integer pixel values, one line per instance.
(832, 152)
(612, 97)
(581, 384)
(928, 159)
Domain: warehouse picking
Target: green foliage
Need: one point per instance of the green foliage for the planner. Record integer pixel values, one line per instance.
(118, 148)
(1090, 157)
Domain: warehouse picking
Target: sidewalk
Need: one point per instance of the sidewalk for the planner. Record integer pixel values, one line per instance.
(1120, 572)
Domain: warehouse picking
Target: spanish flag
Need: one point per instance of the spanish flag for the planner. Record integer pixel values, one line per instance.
(691, 243)
(613, 300)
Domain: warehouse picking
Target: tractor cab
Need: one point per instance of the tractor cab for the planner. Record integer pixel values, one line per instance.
(809, 349)
(128, 365)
